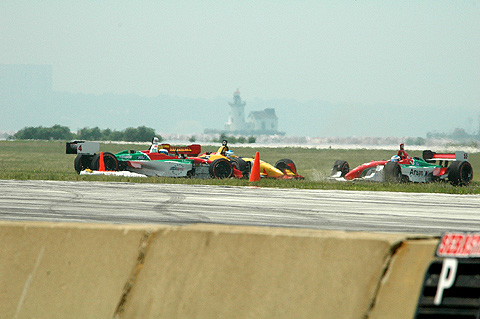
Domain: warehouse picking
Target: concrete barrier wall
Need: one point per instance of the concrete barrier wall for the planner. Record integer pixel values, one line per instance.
(64, 271)
(402, 283)
(205, 271)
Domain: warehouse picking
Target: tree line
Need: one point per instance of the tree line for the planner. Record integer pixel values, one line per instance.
(58, 132)
(458, 134)
(235, 140)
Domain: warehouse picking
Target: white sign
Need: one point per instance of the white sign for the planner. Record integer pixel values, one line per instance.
(447, 278)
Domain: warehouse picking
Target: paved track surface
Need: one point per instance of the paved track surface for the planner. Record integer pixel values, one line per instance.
(185, 204)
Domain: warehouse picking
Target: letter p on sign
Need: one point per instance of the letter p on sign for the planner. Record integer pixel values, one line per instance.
(447, 278)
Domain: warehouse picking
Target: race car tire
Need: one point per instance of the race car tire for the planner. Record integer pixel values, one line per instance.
(284, 164)
(122, 165)
(110, 161)
(221, 168)
(460, 173)
(340, 166)
(393, 172)
(241, 165)
(82, 162)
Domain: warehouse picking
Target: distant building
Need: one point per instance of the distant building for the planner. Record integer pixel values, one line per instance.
(265, 120)
(258, 122)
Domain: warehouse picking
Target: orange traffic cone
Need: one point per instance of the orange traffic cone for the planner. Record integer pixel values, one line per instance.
(101, 163)
(255, 173)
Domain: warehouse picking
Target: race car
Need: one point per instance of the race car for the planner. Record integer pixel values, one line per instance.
(451, 167)
(283, 169)
(156, 161)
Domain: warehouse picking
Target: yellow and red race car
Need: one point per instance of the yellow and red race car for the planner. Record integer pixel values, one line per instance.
(241, 166)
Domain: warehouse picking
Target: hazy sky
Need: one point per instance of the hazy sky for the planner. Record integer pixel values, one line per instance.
(401, 53)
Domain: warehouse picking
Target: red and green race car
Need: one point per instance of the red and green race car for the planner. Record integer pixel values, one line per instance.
(451, 167)
(159, 160)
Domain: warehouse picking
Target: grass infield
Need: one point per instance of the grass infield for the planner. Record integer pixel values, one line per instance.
(46, 160)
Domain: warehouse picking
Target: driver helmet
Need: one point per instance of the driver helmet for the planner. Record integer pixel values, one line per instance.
(395, 158)
(163, 151)
(155, 140)
(229, 154)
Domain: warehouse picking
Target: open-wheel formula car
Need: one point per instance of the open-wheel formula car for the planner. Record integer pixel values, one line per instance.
(159, 160)
(451, 167)
(283, 169)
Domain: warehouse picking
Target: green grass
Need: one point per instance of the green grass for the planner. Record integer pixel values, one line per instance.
(43, 160)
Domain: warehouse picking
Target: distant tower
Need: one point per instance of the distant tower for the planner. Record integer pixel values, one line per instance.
(236, 120)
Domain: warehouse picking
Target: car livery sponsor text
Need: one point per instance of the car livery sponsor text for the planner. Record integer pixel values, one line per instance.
(460, 245)
(176, 169)
(415, 172)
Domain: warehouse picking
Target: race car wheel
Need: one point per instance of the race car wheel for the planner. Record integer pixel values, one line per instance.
(241, 165)
(82, 162)
(284, 164)
(110, 161)
(221, 168)
(340, 166)
(393, 172)
(122, 165)
(460, 173)
(191, 173)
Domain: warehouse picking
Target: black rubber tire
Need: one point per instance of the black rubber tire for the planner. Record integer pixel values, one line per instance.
(284, 164)
(460, 173)
(221, 168)
(122, 165)
(110, 161)
(340, 166)
(241, 165)
(82, 162)
(393, 172)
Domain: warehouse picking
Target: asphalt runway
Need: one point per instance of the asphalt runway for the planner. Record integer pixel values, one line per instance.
(126, 203)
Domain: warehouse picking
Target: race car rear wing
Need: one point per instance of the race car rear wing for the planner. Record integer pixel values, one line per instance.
(91, 148)
(189, 150)
(430, 156)
(82, 147)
